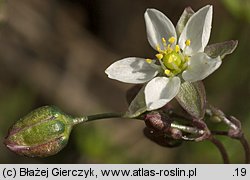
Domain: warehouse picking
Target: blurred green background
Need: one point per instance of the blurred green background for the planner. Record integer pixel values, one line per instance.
(55, 52)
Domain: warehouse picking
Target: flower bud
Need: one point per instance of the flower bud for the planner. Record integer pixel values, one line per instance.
(41, 133)
(157, 120)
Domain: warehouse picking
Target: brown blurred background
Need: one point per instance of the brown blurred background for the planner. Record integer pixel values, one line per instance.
(55, 52)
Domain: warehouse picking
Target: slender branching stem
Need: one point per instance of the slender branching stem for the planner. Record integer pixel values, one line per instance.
(243, 142)
(221, 148)
(183, 128)
(104, 116)
(94, 117)
(246, 147)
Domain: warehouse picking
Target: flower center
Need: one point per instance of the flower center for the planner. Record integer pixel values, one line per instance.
(172, 59)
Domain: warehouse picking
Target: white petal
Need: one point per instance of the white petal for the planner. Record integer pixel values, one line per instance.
(158, 26)
(200, 66)
(131, 70)
(160, 90)
(197, 30)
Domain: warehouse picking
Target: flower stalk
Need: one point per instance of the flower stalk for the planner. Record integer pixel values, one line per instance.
(222, 149)
(94, 117)
(246, 148)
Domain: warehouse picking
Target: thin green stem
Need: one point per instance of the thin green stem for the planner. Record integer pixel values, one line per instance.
(104, 116)
(243, 142)
(94, 117)
(246, 147)
(222, 150)
(187, 129)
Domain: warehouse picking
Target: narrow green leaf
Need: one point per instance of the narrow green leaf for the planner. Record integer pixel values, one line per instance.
(221, 49)
(192, 97)
(137, 106)
(187, 13)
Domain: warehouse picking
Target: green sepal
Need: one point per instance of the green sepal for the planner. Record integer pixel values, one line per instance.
(221, 49)
(137, 106)
(43, 132)
(187, 13)
(192, 97)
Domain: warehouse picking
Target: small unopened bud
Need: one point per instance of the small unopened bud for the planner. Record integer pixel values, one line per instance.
(176, 133)
(41, 133)
(157, 120)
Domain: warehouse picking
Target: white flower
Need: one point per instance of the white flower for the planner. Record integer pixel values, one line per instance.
(174, 62)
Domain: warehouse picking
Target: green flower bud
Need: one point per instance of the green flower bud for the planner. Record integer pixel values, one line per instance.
(43, 132)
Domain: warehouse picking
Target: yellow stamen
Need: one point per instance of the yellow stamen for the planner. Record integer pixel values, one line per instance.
(177, 48)
(188, 42)
(167, 72)
(158, 48)
(169, 49)
(163, 40)
(171, 40)
(159, 56)
(149, 61)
